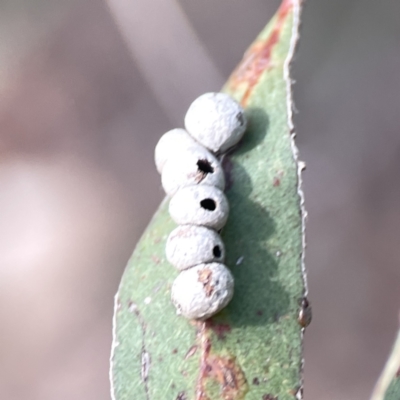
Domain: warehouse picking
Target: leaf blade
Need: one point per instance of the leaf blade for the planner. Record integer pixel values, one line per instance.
(252, 349)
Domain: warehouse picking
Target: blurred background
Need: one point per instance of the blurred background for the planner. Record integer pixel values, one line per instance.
(86, 89)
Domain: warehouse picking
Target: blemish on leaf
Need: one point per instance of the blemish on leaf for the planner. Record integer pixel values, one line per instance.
(305, 313)
(191, 352)
(260, 313)
(222, 370)
(174, 351)
(145, 365)
(258, 58)
(239, 260)
(220, 329)
(181, 396)
(269, 397)
(277, 179)
(145, 356)
(229, 375)
(256, 381)
(132, 306)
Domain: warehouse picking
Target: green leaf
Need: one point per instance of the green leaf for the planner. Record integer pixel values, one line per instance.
(393, 392)
(253, 348)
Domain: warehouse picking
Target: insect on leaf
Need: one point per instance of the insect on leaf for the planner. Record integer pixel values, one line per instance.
(253, 348)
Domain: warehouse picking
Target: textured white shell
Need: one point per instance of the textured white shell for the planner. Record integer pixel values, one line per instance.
(202, 291)
(193, 166)
(199, 205)
(216, 121)
(190, 245)
(171, 145)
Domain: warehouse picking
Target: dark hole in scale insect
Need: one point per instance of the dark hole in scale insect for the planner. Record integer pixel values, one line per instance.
(205, 167)
(208, 204)
(217, 252)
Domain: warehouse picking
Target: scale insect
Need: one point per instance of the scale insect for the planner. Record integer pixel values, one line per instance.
(192, 174)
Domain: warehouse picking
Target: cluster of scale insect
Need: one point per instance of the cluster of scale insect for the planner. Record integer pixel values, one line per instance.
(192, 175)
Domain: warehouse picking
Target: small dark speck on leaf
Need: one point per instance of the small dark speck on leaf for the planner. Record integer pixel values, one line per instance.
(277, 179)
(269, 397)
(256, 381)
(260, 313)
(181, 396)
(174, 351)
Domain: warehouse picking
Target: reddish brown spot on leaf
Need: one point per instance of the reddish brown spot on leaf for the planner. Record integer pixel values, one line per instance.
(277, 179)
(223, 370)
(305, 313)
(258, 58)
(220, 329)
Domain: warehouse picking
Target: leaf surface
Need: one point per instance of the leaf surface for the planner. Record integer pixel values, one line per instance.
(253, 348)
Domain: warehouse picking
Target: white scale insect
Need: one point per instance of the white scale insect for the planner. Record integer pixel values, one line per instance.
(192, 174)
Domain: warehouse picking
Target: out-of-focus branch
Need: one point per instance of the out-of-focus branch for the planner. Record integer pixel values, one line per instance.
(167, 51)
(389, 371)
